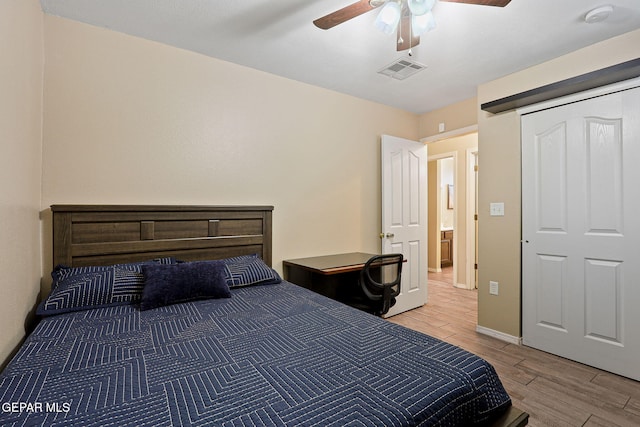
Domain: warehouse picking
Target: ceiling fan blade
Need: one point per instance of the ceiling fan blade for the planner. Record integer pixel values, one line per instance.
(406, 39)
(346, 13)
(498, 3)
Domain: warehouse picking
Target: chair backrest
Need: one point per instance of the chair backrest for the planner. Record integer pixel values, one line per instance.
(380, 280)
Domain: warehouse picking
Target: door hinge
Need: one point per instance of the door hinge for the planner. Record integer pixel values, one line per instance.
(475, 266)
(475, 217)
(475, 168)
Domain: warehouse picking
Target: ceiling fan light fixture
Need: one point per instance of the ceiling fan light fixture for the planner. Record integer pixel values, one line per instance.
(420, 7)
(388, 18)
(420, 24)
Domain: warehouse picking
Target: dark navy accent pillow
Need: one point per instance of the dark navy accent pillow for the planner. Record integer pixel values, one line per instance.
(81, 288)
(248, 270)
(188, 281)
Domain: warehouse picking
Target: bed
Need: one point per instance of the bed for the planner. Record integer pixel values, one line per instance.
(251, 350)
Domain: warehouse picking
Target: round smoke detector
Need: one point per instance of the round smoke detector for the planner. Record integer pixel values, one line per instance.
(598, 14)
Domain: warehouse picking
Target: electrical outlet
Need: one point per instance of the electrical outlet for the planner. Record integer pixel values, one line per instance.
(440, 127)
(493, 288)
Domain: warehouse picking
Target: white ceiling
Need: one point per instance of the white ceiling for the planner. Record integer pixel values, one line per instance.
(471, 44)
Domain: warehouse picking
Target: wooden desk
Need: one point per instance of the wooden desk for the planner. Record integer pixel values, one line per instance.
(335, 276)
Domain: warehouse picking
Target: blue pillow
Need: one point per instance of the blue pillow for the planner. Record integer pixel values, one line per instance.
(248, 270)
(81, 288)
(188, 281)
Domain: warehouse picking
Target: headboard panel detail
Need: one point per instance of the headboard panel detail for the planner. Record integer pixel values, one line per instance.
(108, 234)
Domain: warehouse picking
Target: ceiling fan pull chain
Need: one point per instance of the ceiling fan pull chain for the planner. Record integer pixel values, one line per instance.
(410, 53)
(400, 39)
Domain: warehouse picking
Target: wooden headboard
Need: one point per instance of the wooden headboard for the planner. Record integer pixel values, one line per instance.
(109, 234)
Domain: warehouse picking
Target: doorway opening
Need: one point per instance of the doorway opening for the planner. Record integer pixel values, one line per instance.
(453, 207)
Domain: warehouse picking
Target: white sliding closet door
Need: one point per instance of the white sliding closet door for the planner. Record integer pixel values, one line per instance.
(581, 231)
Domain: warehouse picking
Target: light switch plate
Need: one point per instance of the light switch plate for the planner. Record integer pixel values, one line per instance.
(496, 209)
(493, 288)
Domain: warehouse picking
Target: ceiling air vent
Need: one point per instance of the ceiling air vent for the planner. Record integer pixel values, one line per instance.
(402, 68)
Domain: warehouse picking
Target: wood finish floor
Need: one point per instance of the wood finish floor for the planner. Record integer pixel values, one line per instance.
(554, 391)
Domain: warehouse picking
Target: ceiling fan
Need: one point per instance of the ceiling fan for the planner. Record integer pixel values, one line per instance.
(411, 17)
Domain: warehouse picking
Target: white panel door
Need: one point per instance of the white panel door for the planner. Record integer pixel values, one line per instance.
(581, 231)
(404, 216)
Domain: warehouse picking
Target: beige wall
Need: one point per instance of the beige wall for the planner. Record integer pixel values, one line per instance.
(433, 220)
(133, 121)
(455, 116)
(20, 133)
(499, 175)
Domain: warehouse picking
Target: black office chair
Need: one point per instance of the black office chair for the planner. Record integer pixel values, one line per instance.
(380, 282)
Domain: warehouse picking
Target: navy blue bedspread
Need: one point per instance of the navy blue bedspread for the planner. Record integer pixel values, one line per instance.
(275, 355)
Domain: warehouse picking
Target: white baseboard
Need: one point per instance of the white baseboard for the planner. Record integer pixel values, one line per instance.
(434, 270)
(499, 335)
